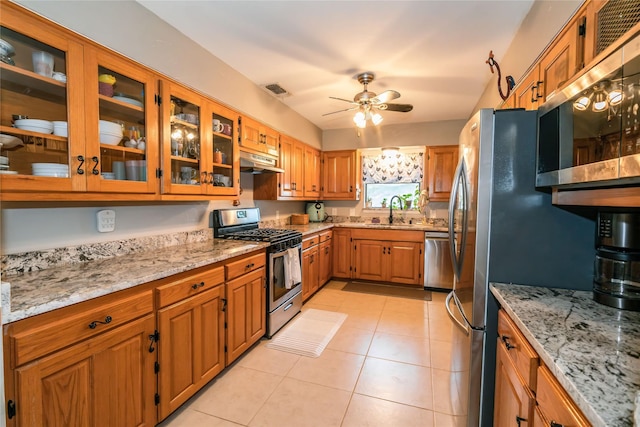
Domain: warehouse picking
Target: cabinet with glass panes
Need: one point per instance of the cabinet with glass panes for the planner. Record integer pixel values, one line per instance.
(41, 135)
(224, 178)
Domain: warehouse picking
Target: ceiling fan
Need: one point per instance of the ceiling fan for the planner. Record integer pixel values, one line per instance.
(368, 102)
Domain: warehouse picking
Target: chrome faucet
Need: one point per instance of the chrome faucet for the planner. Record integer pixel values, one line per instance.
(391, 207)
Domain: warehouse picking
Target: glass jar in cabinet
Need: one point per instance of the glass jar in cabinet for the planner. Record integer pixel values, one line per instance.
(41, 119)
(183, 169)
(223, 171)
(121, 121)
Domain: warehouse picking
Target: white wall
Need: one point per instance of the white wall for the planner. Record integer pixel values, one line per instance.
(132, 30)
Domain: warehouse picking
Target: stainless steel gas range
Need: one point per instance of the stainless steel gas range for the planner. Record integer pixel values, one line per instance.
(284, 266)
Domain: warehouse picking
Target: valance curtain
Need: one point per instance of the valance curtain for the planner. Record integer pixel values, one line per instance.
(391, 168)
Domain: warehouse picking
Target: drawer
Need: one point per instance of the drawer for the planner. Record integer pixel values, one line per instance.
(72, 326)
(554, 403)
(325, 236)
(524, 357)
(181, 289)
(309, 241)
(238, 268)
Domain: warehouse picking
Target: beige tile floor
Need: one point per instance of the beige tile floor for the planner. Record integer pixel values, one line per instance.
(388, 365)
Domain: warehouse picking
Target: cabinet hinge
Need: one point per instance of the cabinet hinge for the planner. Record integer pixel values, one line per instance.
(420, 251)
(239, 120)
(582, 28)
(157, 99)
(225, 325)
(157, 399)
(158, 173)
(156, 367)
(11, 409)
(225, 348)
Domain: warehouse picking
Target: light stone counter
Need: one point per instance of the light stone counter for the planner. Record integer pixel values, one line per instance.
(47, 289)
(593, 350)
(314, 227)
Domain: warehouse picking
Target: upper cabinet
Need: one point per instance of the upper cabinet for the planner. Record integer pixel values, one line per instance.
(341, 175)
(258, 137)
(35, 155)
(199, 152)
(81, 122)
(441, 167)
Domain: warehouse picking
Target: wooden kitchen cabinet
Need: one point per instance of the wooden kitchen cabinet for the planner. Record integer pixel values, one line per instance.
(441, 167)
(525, 389)
(513, 401)
(310, 270)
(257, 137)
(325, 257)
(529, 89)
(191, 324)
(342, 253)
(88, 364)
(341, 175)
(246, 311)
(220, 152)
(312, 162)
(388, 256)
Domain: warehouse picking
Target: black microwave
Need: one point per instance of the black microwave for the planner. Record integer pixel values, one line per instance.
(589, 132)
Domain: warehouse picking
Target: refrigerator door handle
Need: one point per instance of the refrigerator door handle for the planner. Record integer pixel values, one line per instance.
(459, 183)
(462, 326)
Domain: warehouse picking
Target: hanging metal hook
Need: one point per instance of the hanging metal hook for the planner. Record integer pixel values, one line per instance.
(509, 79)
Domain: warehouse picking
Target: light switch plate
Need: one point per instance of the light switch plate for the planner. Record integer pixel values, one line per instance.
(106, 220)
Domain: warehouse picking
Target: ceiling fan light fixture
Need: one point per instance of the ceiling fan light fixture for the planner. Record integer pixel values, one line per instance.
(582, 103)
(599, 102)
(615, 97)
(390, 150)
(376, 118)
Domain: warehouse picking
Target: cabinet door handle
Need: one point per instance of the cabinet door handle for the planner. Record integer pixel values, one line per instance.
(505, 340)
(95, 323)
(384, 250)
(520, 419)
(224, 304)
(80, 171)
(389, 251)
(95, 170)
(536, 88)
(326, 250)
(555, 424)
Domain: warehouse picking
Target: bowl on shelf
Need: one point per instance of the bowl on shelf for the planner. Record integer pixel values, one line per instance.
(6, 49)
(110, 127)
(60, 128)
(108, 175)
(34, 125)
(110, 138)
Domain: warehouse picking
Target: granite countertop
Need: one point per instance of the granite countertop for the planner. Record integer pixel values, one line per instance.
(320, 226)
(25, 295)
(593, 350)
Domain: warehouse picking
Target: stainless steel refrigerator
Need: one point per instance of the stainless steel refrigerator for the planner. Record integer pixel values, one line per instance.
(501, 229)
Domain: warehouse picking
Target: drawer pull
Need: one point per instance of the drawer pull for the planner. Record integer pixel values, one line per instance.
(555, 424)
(95, 323)
(249, 266)
(197, 285)
(505, 340)
(519, 419)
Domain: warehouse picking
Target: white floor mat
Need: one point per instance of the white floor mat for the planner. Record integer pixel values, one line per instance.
(309, 333)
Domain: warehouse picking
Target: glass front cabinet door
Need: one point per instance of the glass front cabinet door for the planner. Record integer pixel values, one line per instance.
(222, 170)
(41, 130)
(183, 169)
(121, 122)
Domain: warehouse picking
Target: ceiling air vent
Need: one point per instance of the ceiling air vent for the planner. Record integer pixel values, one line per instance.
(277, 90)
(614, 19)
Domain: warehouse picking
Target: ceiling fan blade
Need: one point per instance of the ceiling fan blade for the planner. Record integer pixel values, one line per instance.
(340, 111)
(386, 96)
(403, 108)
(345, 100)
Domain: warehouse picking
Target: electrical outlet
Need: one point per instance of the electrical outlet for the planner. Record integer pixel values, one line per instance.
(106, 220)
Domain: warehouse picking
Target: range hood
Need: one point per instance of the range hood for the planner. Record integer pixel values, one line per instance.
(255, 163)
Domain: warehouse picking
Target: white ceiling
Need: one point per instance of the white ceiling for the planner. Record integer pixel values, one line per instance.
(432, 52)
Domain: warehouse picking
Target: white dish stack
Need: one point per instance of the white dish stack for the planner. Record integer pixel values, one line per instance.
(110, 132)
(34, 125)
(4, 166)
(60, 128)
(58, 170)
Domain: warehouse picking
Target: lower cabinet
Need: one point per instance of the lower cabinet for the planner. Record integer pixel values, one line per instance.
(133, 357)
(527, 393)
(191, 351)
(388, 261)
(246, 312)
(341, 257)
(316, 262)
(106, 379)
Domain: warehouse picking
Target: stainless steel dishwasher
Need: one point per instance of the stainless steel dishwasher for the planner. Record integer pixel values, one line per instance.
(438, 272)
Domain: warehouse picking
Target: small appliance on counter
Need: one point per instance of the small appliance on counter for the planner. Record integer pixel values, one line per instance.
(616, 280)
(316, 212)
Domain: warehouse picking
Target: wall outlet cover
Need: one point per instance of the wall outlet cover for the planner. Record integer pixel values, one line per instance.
(106, 220)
